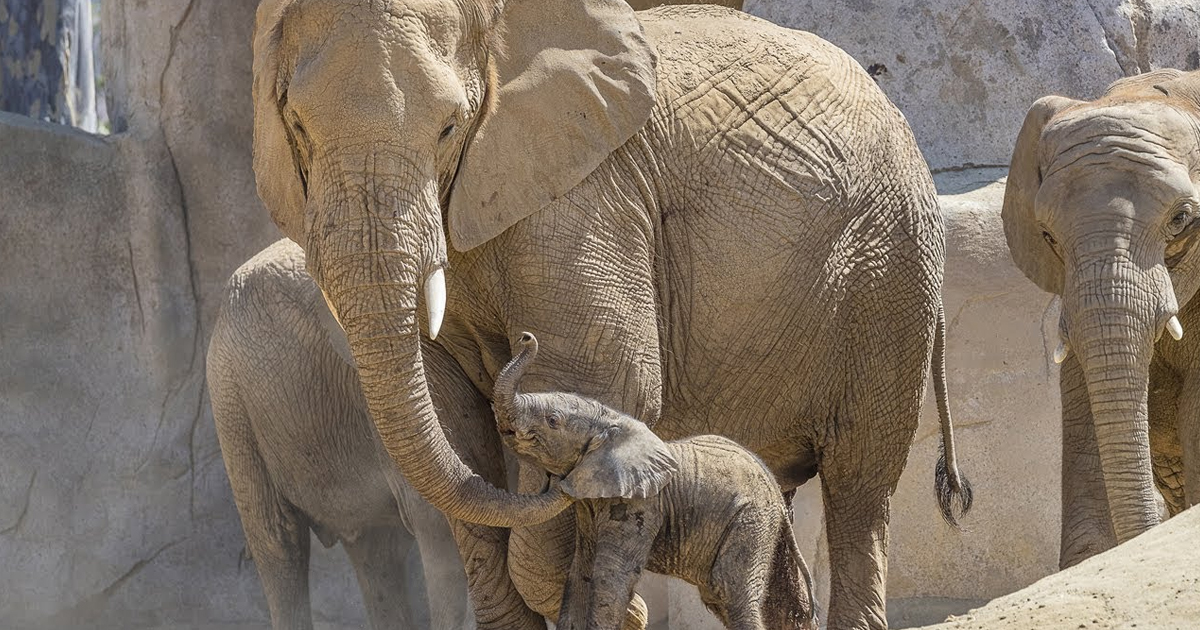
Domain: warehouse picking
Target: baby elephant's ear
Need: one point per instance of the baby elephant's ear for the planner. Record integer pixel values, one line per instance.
(626, 461)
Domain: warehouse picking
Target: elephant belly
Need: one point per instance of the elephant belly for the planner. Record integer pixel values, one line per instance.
(322, 455)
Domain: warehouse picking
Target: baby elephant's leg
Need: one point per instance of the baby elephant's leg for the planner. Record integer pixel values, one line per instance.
(741, 575)
(612, 546)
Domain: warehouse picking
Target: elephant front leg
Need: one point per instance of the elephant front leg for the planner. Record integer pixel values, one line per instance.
(497, 603)
(1188, 423)
(1166, 454)
(539, 556)
(611, 549)
(1086, 523)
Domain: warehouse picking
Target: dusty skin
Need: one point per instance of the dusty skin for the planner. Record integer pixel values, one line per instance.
(707, 510)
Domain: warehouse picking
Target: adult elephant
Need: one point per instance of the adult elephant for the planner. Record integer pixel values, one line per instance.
(1100, 209)
(711, 223)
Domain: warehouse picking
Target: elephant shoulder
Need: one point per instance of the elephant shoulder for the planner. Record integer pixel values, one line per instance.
(738, 96)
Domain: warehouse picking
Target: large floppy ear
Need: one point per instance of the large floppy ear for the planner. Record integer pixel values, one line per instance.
(626, 461)
(276, 170)
(1028, 247)
(576, 82)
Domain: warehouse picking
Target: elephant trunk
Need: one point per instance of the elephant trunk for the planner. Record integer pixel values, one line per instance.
(505, 398)
(1113, 318)
(369, 264)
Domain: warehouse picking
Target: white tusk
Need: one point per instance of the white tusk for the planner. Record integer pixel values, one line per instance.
(1061, 352)
(332, 311)
(435, 300)
(1175, 328)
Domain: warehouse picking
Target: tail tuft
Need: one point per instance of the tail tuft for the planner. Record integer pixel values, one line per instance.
(954, 494)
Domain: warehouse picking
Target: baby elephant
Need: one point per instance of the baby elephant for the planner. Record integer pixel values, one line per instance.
(708, 510)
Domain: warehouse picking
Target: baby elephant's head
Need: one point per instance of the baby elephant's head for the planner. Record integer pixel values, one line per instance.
(598, 451)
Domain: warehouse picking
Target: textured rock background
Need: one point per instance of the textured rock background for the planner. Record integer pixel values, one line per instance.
(114, 508)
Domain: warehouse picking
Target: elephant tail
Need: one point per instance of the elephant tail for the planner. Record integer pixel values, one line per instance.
(953, 490)
(790, 601)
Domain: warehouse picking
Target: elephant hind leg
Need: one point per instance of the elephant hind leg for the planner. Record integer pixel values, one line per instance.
(277, 534)
(738, 582)
(866, 451)
(394, 598)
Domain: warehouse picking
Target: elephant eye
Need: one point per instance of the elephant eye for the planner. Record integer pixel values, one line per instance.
(1178, 222)
(552, 420)
(1049, 238)
(447, 131)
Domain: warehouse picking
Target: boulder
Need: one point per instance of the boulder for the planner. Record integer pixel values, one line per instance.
(965, 72)
(1148, 582)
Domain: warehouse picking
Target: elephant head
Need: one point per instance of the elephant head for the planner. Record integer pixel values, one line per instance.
(1101, 208)
(385, 129)
(599, 452)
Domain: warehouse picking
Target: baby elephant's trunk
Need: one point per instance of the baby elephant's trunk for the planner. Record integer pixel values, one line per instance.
(789, 604)
(505, 400)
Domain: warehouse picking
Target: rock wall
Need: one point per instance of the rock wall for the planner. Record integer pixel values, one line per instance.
(114, 507)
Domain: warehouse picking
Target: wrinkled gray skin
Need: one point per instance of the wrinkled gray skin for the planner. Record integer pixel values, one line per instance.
(302, 454)
(713, 224)
(707, 511)
(1100, 209)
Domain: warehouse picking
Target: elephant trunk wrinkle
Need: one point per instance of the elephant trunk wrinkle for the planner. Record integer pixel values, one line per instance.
(1113, 333)
(505, 397)
(369, 268)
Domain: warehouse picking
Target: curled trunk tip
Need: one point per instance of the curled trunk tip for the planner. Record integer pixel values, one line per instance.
(505, 394)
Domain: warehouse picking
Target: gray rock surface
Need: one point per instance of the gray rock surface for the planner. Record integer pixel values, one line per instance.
(114, 507)
(1148, 582)
(965, 72)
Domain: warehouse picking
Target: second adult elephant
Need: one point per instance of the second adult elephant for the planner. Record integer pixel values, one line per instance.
(1101, 208)
(713, 224)
(302, 455)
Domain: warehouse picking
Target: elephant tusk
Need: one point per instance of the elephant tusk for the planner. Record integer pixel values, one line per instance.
(1175, 328)
(332, 311)
(435, 300)
(1061, 352)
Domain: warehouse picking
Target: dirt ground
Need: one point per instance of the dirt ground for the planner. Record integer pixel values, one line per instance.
(1151, 582)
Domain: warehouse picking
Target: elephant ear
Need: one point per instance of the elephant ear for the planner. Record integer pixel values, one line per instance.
(577, 81)
(1028, 247)
(625, 461)
(276, 170)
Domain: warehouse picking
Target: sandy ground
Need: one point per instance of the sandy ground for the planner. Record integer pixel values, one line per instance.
(1151, 582)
